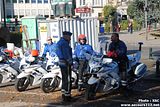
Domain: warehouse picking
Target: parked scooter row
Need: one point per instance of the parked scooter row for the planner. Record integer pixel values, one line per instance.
(45, 73)
(9, 67)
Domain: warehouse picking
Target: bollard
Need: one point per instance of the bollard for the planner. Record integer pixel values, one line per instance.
(157, 67)
(140, 45)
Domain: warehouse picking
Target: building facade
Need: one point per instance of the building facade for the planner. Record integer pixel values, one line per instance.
(20, 8)
(90, 8)
(49, 8)
(46, 8)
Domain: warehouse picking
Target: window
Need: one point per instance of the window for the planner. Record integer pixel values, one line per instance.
(45, 1)
(8, 1)
(20, 1)
(33, 12)
(40, 12)
(46, 16)
(26, 1)
(84, 2)
(14, 1)
(33, 1)
(101, 2)
(80, 2)
(8, 11)
(27, 12)
(21, 12)
(39, 1)
(92, 2)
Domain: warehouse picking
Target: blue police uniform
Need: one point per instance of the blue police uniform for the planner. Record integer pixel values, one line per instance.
(64, 53)
(82, 60)
(81, 49)
(51, 48)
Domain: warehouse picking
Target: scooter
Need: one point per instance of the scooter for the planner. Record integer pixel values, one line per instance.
(104, 73)
(8, 68)
(32, 73)
(53, 79)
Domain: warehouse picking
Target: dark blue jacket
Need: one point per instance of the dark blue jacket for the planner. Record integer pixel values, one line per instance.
(80, 49)
(51, 48)
(120, 48)
(64, 51)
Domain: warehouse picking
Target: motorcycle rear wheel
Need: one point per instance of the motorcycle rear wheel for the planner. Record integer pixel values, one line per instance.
(46, 85)
(22, 84)
(90, 92)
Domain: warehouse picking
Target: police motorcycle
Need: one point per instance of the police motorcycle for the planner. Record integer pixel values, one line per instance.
(53, 79)
(9, 67)
(33, 69)
(104, 73)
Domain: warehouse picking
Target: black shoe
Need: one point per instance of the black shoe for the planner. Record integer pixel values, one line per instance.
(66, 98)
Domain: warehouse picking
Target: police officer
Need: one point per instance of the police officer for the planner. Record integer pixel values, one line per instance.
(49, 47)
(64, 53)
(80, 49)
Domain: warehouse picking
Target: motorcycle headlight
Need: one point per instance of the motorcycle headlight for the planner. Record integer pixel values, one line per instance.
(96, 69)
(28, 70)
(1, 58)
(31, 59)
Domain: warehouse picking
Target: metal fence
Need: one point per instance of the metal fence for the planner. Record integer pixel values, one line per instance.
(54, 28)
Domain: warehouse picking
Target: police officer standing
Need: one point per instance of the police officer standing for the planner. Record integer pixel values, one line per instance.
(64, 52)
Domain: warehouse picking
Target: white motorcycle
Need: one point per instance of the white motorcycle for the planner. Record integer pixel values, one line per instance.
(32, 73)
(8, 68)
(53, 79)
(105, 73)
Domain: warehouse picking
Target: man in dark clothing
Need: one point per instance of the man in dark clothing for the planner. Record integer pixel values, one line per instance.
(64, 53)
(118, 51)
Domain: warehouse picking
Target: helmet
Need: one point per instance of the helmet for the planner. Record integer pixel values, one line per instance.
(34, 53)
(81, 36)
(49, 38)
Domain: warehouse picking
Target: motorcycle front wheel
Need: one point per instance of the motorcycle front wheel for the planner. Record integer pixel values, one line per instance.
(22, 84)
(46, 85)
(90, 92)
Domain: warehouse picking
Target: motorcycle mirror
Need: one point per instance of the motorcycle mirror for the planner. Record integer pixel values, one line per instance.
(75, 44)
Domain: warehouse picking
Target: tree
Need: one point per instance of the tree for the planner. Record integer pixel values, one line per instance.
(109, 10)
(110, 17)
(136, 9)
